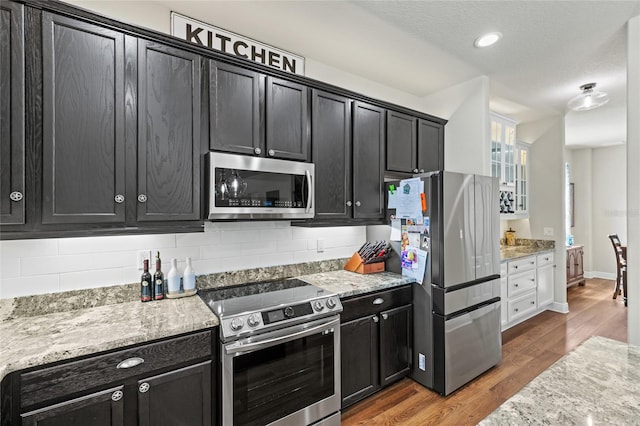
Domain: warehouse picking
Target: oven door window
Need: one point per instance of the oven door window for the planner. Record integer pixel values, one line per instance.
(272, 383)
(250, 188)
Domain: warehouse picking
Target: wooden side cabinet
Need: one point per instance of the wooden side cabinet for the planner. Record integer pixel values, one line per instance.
(575, 268)
(376, 342)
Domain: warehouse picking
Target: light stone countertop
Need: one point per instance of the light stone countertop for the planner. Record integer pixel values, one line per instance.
(598, 383)
(28, 341)
(37, 340)
(508, 253)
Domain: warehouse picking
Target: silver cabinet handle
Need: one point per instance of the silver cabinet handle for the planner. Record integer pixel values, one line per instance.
(144, 387)
(119, 198)
(415, 170)
(349, 203)
(385, 316)
(357, 203)
(272, 153)
(15, 196)
(142, 198)
(421, 170)
(375, 318)
(117, 395)
(257, 151)
(378, 301)
(130, 362)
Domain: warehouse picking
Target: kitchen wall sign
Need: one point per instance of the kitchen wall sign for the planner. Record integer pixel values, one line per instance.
(212, 37)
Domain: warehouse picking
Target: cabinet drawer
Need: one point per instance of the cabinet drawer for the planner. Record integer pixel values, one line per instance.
(520, 283)
(522, 306)
(544, 259)
(76, 376)
(521, 265)
(373, 303)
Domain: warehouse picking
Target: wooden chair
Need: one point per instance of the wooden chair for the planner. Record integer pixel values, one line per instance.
(621, 264)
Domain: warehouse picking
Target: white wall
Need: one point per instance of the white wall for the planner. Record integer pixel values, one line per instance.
(580, 164)
(633, 178)
(467, 135)
(546, 187)
(59, 264)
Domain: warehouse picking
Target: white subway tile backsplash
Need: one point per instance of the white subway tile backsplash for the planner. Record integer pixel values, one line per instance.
(91, 279)
(53, 265)
(27, 248)
(115, 243)
(26, 286)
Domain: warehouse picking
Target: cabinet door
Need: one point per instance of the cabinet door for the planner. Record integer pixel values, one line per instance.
(430, 146)
(395, 344)
(359, 358)
(104, 408)
(368, 164)
(12, 174)
(331, 154)
(545, 285)
(571, 265)
(83, 129)
(401, 142)
(236, 107)
(287, 120)
(579, 257)
(168, 133)
(179, 397)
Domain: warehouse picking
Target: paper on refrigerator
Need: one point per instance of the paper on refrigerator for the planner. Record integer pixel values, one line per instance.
(407, 200)
(417, 272)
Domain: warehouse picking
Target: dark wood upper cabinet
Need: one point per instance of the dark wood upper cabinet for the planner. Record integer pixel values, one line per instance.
(331, 154)
(401, 142)
(83, 128)
(12, 140)
(287, 120)
(168, 133)
(430, 146)
(368, 161)
(236, 105)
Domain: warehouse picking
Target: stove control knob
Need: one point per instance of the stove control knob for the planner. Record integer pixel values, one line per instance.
(318, 305)
(253, 320)
(288, 312)
(236, 324)
(331, 303)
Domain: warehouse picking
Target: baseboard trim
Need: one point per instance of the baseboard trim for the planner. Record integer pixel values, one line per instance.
(562, 308)
(600, 274)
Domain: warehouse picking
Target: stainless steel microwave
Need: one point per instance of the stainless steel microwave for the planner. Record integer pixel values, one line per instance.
(244, 187)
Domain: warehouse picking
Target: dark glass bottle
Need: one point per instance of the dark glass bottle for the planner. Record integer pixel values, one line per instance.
(145, 283)
(158, 280)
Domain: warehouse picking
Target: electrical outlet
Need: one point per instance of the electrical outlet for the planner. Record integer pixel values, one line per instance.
(422, 362)
(142, 256)
(320, 246)
(548, 232)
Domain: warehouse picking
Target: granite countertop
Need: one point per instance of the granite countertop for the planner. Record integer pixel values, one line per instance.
(37, 340)
(597, 383)
(29, 339)
(514, 252)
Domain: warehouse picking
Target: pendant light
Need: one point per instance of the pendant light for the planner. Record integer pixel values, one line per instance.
(588, 99)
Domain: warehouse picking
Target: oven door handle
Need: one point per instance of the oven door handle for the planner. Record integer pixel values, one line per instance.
(240, 348)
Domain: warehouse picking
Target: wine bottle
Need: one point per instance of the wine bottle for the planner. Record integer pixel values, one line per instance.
(189, 277)
(158, 280)
(145, 283)
(173, 278)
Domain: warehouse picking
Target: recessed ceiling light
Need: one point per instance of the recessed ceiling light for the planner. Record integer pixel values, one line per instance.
(487, 39)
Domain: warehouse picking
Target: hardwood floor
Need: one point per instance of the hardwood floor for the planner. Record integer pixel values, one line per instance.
(528, 349)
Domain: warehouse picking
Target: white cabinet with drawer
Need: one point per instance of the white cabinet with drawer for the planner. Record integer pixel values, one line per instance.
(526, 287)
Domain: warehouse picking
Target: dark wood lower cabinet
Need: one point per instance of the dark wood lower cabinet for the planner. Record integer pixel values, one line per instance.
(103, 408)
(376, 342)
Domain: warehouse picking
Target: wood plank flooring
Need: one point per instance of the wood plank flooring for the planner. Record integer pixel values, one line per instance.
(528, 349)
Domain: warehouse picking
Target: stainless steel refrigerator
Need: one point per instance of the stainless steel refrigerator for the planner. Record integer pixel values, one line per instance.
(456, 311)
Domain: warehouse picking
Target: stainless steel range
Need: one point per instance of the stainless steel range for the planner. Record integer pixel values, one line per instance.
(280, 353)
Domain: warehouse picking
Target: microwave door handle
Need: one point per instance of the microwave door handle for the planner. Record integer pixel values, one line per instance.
(240, 349)
(309, 189)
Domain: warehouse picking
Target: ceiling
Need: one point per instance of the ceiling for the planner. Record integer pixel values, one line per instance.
(549, 48)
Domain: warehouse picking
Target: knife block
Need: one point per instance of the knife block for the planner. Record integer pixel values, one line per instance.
(356, 264)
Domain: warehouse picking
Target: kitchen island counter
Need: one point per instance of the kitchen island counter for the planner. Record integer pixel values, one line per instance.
(597, 383)
(346, 283)
(42, 339)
